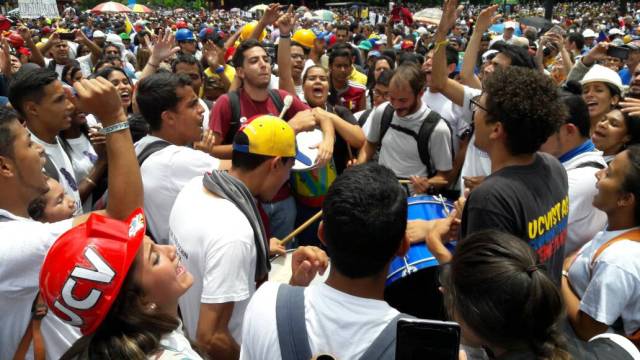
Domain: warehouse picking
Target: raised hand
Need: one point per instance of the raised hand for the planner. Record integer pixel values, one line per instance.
(271, 14)
(163, 49)
(486, 18)
(100, 98)
(449, 18)
(287, 21)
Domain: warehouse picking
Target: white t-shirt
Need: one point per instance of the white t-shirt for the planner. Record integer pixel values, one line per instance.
(176, 346)
(476, 161)
(86, 66)
(83, 157)
(22, 251)
(205, 114)
(585, 221)
(164, 174)
(611, 288)
(338, 323)
(443, 106)
(399, 151)
(216, 244)
(66, 174)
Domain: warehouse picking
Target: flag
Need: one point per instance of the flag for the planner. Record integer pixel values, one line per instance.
(128, 27)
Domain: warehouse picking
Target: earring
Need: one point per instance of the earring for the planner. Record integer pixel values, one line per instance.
(152, 307)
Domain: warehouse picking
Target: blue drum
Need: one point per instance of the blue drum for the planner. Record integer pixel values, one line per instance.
(424, 207)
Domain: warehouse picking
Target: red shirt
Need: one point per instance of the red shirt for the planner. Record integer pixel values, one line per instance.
(220, 116)
(351, 97)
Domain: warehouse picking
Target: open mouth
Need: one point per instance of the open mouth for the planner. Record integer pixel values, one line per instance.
(592, 105)
(125, 96)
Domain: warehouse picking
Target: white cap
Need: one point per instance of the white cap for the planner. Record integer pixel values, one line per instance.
(588, 33)
(487, 54)
(616, 31)
(422, 30)
(116, 40)
(599, 73)
(98, 34)
(509, 25)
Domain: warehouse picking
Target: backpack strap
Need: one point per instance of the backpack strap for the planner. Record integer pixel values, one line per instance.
(234, 124)
(33, 333)
(290, 320)
(383, 346)
(633, 235)
(387, 117)
(426, 129)
(593, 164)
(150, 149)
(364, 116)
(276, 99)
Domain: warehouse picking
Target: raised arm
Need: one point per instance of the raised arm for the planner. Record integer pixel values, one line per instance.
(271, 14)
(440, 82)
(100, 97)
(96, 51)
(467, 74)
(285, 24)
(161, 51)
(36, 55)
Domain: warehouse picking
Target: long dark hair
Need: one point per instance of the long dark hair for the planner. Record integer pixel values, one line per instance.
(129, 331)
(496, 287)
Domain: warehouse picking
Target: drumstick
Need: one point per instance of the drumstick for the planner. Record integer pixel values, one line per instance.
(431, 181)
(301, 228)
(288, 100)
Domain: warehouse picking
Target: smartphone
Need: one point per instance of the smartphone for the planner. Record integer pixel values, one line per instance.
(427, 339)
(67, 36)
(618, 52)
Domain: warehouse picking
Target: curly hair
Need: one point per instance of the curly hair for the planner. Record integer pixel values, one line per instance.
(527, 104)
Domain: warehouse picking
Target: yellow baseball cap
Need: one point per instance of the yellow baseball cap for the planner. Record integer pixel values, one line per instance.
(270, 136)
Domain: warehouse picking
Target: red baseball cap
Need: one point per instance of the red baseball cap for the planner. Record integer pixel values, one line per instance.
(406, 44)
(84, 269)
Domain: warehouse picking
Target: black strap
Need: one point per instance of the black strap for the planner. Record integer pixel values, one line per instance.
(294, 339)
(364, 116)
(277, 100)
(150, 149)
(290, 320)
(383, 346)
(387, 116)
(593, 164)
(234, 102)
(422, 137)
(234, 124)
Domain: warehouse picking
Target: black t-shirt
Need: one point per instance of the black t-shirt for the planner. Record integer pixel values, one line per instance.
(340, 149)
(530, 202)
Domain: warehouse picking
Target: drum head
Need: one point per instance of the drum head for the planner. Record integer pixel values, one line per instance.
(307, 142)
(418, 295)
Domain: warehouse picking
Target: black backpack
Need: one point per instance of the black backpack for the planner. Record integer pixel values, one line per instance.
(422, 137)
(234, 101)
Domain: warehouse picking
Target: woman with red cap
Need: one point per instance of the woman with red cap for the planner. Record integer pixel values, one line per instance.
(119, 288)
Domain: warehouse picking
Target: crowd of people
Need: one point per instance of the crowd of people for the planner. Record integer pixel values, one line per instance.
(153, 168)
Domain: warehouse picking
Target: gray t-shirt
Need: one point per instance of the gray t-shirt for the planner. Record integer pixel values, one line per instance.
(399, 151)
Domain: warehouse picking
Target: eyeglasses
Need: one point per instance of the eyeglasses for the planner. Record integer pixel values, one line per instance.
(474, 104)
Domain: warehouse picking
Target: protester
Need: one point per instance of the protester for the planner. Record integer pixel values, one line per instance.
(135, 314)
(23, 182)
(577, 153)
(595, 301)
(615, 132)
(228, 263)
(362, 227)
(456, 117)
